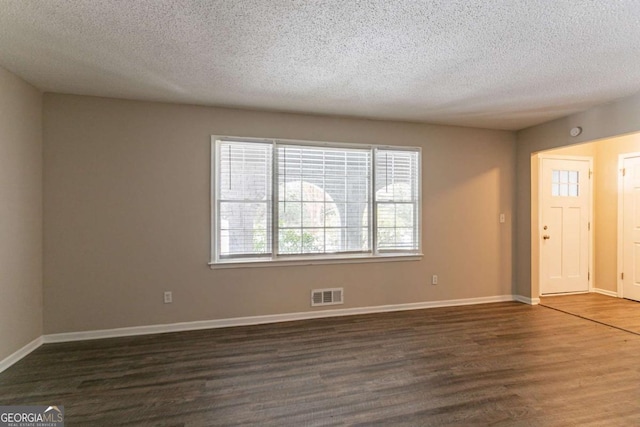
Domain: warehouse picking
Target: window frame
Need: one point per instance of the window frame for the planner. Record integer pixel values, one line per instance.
(258, 260)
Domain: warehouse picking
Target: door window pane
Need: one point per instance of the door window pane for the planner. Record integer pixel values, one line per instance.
(565, 183)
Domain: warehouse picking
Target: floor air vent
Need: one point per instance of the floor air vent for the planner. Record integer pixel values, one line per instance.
(326, 296)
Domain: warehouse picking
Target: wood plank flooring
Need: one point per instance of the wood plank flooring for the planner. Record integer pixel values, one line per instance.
(499, 364)
(617, 312)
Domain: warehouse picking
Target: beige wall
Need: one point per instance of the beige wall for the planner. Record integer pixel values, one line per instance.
(617, 118)
(127, 216)
(20, 213)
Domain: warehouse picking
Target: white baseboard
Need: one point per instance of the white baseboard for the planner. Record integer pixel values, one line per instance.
(19, 354)
(272, 318)
(526, 300)
(244, 321)
(605, 292)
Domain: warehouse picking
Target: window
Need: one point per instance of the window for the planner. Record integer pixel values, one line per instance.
(244, 199)
(397, 200)
(287, 200)
(564, 183)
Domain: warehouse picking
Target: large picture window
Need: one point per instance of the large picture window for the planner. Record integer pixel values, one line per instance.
(287, 200)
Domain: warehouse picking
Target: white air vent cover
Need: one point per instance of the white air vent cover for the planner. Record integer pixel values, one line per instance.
(331, 296)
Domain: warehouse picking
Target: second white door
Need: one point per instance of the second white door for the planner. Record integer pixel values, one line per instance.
(564, 225)
(631, 228)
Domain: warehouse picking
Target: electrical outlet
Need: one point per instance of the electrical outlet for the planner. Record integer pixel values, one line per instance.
(168, 297)
(434, 279)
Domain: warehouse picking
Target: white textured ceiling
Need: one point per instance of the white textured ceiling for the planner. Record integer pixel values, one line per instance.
(504, 64)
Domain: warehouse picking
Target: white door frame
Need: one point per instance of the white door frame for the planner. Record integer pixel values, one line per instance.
(621, 159)
(542, 156)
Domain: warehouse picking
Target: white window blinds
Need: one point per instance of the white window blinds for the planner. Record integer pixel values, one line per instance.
(244, 198)
(397, 200)
(323, 195)
(286, 199)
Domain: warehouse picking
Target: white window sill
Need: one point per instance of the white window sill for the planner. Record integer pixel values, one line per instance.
(283, 262)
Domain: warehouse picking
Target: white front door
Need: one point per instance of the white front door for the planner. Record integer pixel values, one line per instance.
(631, 229)
(565, 193)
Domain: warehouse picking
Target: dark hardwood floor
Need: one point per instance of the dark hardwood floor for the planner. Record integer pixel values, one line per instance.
(499, 364)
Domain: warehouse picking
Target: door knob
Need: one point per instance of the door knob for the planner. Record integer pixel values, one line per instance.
(546, 237)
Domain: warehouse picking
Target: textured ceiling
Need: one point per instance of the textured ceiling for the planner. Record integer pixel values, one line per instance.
(488, 63)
